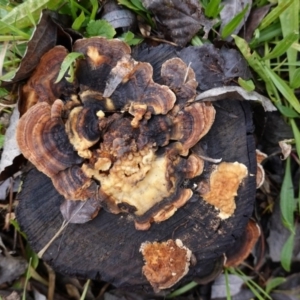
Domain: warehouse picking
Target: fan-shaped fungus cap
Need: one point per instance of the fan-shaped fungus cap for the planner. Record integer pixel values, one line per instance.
(101, 56)
(165, 263)
(83, 130)
(41, 86)
(244, 245)
(180, 78)
(224, 182)
(73, 184)
(192, 123)
(43, 141)
(139, 88)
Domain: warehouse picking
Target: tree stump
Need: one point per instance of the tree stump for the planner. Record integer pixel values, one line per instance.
(107, 247)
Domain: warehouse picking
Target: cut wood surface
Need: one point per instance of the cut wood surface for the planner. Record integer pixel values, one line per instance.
(107, 247)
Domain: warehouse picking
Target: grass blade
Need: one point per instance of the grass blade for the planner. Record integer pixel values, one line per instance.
(283, 46)
(275, 13)
(182, 290)
(67, 62)
(284, 89)
(273, 283)
(289, 20)
(287, 202)
(296, 133)
(247, 85)
(230, 27)
(213, 8)
(19, 17)
(286, 254)
(295, 80)
(15, 29)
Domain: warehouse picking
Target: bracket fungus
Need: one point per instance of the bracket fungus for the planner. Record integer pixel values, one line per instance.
(123, 152)
(165, 263)
(112, 144)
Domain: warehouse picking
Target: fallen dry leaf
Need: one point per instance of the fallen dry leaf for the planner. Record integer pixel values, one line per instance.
(237, 93)
(179, 20)
(286, 148)
(10, 148)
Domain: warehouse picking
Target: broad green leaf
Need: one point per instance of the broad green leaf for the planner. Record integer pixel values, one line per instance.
(295, 80)
(287, 201)
(230, 27)
(78, 21)
(213, 8)
(287, 111)
(129, 38)
(296, 133)
(289, 20)
(247, 85)
(283, 46)
(67, 62)
(287, 253)
(100, 28)
(19, 18)
(284, 89)
(275, 13)
(273, 283)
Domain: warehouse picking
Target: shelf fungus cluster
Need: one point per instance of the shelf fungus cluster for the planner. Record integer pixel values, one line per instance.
(122, 142)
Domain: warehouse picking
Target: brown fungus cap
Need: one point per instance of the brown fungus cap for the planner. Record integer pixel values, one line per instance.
(138, 87)
(165, 263)
(180, 78)
(73, 184)
(243, 246)
(83, 130)
(224, 182)
(43, 141)
(41, 86)
(192, 123)
(101, 56)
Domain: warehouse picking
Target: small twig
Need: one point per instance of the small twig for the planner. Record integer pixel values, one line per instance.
(102, 291)
(60, 230)
(51, 282)
(161, 40)
(186, 73)
(42, 252)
